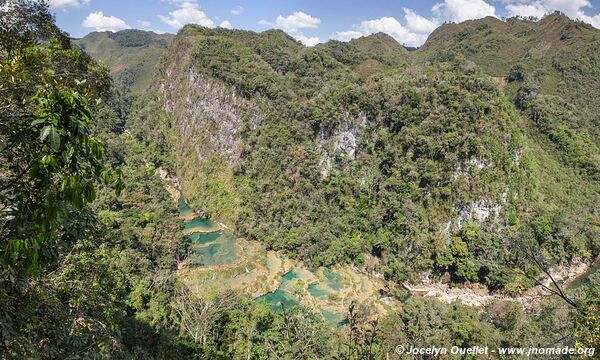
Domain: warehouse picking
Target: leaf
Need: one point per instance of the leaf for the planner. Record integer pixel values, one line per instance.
(49, 160)
(106, 177)
(119, 186)
(89, 192)
(37, 122)
(54, 138)
(44, 132)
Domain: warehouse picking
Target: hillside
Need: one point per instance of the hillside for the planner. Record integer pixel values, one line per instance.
(237, 195)
(131, 55)
(561, 53)
(410, 168)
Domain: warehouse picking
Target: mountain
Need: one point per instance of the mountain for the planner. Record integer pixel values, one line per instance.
(562, 53)
(131, 55)
(414, 167)
(413, 197)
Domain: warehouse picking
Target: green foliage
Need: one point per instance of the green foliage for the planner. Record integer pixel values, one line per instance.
(25, 22)
(51, 163)
(136, 38)
(427, 143)
(132, 55)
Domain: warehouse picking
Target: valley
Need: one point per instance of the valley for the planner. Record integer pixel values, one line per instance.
(224, 193)
(220, 260)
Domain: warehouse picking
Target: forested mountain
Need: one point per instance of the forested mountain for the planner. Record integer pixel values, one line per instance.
(472, 161)
(560, 55)
(131, 55)
(300, 149)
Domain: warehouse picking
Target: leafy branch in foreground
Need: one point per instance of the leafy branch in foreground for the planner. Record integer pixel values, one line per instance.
(54, 165)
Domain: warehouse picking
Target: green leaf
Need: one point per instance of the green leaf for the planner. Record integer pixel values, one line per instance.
(37, 122)
(106, 175)
(49, 160)
(45, 132)
(54, 138)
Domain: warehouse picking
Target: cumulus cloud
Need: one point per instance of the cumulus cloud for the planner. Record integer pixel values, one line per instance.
(572, 8)
(144, 23)
(461, 10)
(294, 22)
(237, 10)
(347, 35)
(225, 24)
(527, 10)
(539, 8)
(417, 23)
(308, 41)
(414, 33)
(56, 4)
(188, 12)
(100, 22)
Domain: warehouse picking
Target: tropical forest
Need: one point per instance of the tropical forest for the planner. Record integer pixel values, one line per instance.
(222, 193)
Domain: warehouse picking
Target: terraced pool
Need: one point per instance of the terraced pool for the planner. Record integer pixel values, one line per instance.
(321, 289)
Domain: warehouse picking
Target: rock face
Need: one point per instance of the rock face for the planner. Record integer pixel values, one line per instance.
(209, 116)
(478, 211)
(210, 122)
(341, 141)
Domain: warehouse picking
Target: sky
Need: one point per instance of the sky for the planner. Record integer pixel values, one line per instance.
(311, 22)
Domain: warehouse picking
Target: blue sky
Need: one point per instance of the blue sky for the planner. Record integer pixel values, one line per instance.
(409, 22)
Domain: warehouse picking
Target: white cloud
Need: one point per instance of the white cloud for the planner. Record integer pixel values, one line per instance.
(144, 23)
(538, 8)
(292, 23)
(188, 13)
(347, 35)
(571, 8)
(225, 24)
(461, 10)
(417, 23)
(237, 10)
(55, 4)
(98, 21)
(527, 10)
(413, 34)
(392, 27)
(593, 20)
(308, 41)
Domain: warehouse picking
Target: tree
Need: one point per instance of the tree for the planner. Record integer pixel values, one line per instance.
(24, 22)
(50, 162)
(196, 316)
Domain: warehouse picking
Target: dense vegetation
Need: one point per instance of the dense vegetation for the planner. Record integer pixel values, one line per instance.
(344, 152)
(563, 53)
(347, 165)
(131, 55)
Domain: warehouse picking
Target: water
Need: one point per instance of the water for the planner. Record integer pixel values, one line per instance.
(584, 279)
(212, 246)
(216, 247)
(317, 290)
(205, 238)
(290, 275)
(333, 280)
(321, 291)
(333, 319)
(279, 299)
(184, 209)
(329, 286)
